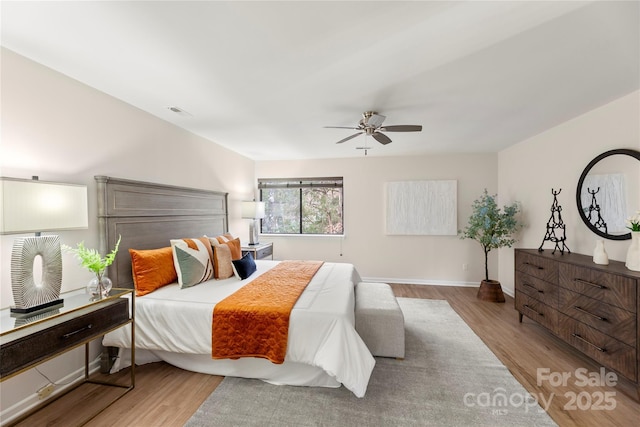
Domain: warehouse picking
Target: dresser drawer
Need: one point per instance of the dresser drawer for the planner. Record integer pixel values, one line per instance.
(606, 318)
(606, 287)
(264, 252)
(535, 310)
(606, 350)
(537, 289)
(41, 345)
(536, 266)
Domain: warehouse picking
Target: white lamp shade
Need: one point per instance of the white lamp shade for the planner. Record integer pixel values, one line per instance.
(252, 210)
(28, 206)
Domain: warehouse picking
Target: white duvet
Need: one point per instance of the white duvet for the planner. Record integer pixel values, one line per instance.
(323, 349)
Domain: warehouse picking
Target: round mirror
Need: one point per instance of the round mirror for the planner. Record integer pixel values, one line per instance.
(609, 192)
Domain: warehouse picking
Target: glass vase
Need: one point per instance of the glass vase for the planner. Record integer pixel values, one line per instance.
(99, 286)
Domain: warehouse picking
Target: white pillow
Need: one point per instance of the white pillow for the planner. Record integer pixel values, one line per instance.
(193, 260)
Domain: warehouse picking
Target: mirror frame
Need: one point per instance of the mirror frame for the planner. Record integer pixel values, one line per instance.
(625, 151)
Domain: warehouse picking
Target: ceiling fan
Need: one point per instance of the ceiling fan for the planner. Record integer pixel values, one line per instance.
(371, 124)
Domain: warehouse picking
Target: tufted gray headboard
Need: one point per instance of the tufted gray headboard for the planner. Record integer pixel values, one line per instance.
(148, 215)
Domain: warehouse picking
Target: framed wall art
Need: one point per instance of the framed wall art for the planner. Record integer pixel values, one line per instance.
(422, 208)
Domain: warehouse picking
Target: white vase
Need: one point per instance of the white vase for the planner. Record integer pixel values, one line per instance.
(599, 254)
(633, 253)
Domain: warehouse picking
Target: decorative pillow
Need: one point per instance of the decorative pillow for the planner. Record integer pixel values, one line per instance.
(193, 260)
(245, 266)
(152, 269)
(224, 238)
(222, 262)
(234, 245)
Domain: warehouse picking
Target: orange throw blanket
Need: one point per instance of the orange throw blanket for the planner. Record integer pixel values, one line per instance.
(254, 321)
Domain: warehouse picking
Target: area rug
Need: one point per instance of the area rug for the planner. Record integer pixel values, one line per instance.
(448, 378)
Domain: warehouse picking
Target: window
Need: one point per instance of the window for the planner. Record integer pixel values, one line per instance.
(302, 205)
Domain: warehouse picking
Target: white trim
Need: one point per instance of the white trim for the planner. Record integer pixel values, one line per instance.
(427, 282)
(297, 236)
(27, 404)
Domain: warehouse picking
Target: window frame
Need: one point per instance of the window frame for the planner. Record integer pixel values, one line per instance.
(301, 184)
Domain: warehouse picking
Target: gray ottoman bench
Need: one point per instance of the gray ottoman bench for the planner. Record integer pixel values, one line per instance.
(379, 320)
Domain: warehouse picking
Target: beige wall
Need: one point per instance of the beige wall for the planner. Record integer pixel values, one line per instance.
(377, 256)
(62, 130)
(525, 172)
(555, 159)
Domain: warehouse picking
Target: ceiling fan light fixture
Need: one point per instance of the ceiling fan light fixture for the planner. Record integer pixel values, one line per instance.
(371, 125)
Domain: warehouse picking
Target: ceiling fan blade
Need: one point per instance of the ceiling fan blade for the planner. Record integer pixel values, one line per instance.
(348, 138)
(402, 128)
(341, 127)
(381, 138)
(375, 120)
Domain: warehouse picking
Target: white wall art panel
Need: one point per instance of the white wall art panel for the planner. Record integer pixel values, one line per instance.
(611, 197)
(422, 208)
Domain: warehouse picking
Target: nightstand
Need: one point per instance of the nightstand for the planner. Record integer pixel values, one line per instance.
(26, 341)
(259, 251)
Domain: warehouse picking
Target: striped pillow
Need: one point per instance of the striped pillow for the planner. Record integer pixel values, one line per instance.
(225, 251)
(193, 260)
(227, 239)
(222, 265)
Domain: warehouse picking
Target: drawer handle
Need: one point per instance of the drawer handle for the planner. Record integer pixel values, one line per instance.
(582, 310)
(533, 287)
(533, 265)
(534, 310)
(595, 285)
(70, 334)
(604, 350)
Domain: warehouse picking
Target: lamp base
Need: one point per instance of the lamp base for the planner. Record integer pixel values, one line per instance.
(40, 307)
(29, 294)
(253, 233)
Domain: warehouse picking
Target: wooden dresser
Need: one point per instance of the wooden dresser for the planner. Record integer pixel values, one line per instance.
(595, 308)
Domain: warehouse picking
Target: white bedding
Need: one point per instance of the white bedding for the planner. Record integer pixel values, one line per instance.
(323, 350)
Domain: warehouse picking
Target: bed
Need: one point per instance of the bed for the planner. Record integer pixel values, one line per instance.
(174, 325)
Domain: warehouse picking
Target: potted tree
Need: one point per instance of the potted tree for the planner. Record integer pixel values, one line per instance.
(493, 228)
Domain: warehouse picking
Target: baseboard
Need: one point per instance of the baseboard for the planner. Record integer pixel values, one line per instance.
(32, 401)
(430, 283)
(426, 282)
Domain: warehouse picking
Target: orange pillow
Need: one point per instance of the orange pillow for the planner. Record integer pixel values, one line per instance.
(234, 245)
(224, 237)
(222, 265)
(152, 269)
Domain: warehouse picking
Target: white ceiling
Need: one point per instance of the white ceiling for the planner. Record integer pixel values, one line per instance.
(263, 78)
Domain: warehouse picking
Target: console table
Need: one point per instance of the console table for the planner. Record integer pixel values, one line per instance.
(594, 308)
(26, 341)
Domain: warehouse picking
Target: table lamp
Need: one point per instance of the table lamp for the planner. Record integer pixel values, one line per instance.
(33, 206)
(253, 211)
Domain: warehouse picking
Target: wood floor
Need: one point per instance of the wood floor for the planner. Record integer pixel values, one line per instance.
(168, 396)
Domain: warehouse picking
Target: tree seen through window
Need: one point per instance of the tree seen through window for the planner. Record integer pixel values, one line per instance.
(302, 206)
